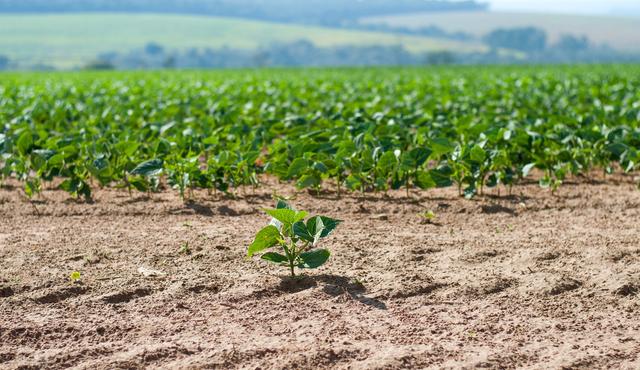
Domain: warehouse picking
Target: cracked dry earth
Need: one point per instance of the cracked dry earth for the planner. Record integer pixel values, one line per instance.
(533, 280)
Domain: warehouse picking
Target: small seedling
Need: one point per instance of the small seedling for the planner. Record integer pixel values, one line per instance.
(277, 197)
(75, 276)
(185, 249)
(359, 282)
(428, 216)
(297, 240)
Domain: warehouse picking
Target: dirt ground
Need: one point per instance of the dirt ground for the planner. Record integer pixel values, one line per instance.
(532, 280)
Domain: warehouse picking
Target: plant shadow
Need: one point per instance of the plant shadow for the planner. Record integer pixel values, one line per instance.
(139, 199)
(492, 209)
(8, 187)
(332, 285)
(297, 284)
(199, 209)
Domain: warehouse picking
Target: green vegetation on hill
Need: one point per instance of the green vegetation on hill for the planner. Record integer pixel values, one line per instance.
(71, 40)
(619, 33)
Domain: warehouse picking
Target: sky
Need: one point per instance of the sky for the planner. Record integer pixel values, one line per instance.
(603, 7)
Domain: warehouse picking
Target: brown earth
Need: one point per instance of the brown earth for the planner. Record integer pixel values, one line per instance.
(533, 280)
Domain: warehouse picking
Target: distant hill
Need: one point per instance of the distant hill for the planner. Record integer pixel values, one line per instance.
(328, 12)
(621, 33)
(71, 40)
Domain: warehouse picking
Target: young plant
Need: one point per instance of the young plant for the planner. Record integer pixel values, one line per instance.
(185, 249)
(295, 241)
(75, 277)
(428, 216)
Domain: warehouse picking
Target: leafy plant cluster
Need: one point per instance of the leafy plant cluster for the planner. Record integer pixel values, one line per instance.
(350, 130)
(296, 241)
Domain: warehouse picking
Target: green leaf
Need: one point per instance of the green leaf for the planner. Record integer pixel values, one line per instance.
(415, 158)
(75, 276)
(301, 231)
(320, 167)
(266, 238)
(308, 181)
(71, 186)
(328, 225)
(31, 188)
(56, 160)
(441, 146)
(470, 192)
(441, 176)
(281, 204)
(420, 155)
(286, 216)
(297, 167)
(387, 162)
(617, 149)
(424, 181)
(127, 147)
(100, 169)
(163, 147)
(316, 229)
(44, 154)
(478, 154)
(25, 142)
(314, 259)
(139, 184)
(100, 163)
(493, 180)
(276, 258)
(76, 186)
(353, 182)
(148, 168)
(251, 157)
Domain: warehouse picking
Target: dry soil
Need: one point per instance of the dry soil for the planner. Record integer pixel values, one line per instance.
(531, 280)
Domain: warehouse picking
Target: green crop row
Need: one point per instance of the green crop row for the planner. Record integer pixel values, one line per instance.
(351, 129)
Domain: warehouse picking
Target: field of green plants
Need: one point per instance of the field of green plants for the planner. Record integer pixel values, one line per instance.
(332, 130)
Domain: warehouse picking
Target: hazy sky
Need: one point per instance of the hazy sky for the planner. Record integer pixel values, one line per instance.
(629, 7)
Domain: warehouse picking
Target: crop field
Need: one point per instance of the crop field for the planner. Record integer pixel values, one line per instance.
(326, 131)
(471, 217)
(73, 40)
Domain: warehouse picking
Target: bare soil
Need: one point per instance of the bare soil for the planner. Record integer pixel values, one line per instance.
(531, 280)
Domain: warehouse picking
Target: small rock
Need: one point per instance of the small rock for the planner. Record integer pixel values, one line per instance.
(147, 272)
(382, 217)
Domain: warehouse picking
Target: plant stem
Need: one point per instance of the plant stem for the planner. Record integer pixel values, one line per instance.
(407, 187)
(291, 255)
(126, 180)
(34, 207)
